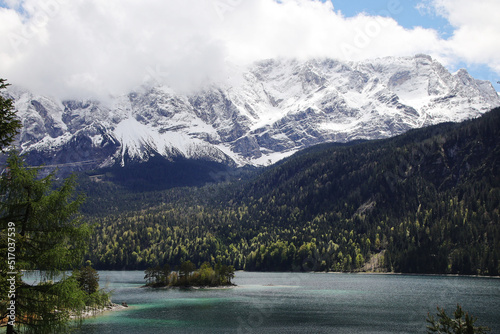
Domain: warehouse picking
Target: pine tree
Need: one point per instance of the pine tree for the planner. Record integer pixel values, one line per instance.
(9, 124)
(48, 237)
(461, 323)
(87, 278)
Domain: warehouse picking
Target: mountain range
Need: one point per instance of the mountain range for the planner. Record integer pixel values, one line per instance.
(259, 115)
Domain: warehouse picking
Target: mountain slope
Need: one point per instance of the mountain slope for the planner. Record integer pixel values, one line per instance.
(426, 202)
(258, 116)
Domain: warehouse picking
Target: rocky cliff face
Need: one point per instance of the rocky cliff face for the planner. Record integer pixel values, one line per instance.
(269, 111)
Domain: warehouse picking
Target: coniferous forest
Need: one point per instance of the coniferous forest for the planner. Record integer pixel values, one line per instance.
(424, 202)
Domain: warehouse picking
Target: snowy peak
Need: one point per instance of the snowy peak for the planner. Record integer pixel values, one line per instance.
(272, 109)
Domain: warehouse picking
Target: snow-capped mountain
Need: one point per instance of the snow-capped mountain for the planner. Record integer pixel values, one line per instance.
(267, 111)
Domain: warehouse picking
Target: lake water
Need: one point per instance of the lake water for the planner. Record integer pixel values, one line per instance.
(295, 303)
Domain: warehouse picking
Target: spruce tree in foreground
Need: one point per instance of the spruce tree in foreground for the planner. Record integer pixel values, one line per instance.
(461, 323)
(45, 234)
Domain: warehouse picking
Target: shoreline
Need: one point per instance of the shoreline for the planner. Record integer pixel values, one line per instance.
(403, 274)
(344, 272)
(205, 287)
(369, 273)
(94, 312)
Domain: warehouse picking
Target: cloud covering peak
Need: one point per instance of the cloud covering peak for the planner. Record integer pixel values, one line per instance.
(94, 48)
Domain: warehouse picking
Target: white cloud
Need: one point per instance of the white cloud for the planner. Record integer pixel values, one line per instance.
(475, 38)
(88, 47)
(92, 48)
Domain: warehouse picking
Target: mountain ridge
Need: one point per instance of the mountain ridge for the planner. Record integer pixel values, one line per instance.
(265, 112)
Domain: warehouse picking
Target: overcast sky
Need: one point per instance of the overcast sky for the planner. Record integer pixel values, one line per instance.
(94, 48)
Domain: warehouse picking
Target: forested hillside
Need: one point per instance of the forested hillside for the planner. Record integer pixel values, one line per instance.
(427, 202)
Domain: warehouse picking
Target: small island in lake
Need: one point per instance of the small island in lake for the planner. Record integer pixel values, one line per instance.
(188, 276)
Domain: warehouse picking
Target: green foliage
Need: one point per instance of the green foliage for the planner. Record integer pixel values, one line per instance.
(48, 237)
(461, 323)
(9, 124)
(158, 275)
(185, 270)
(87, 278)
(88, 282)
(37, 305)
(426, 202)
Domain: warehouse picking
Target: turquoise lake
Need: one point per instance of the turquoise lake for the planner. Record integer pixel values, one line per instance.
(295, 303)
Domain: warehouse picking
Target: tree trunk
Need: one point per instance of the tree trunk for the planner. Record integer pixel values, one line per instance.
(10, 329)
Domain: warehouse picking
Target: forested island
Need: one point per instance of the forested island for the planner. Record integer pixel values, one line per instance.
(188, 275)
